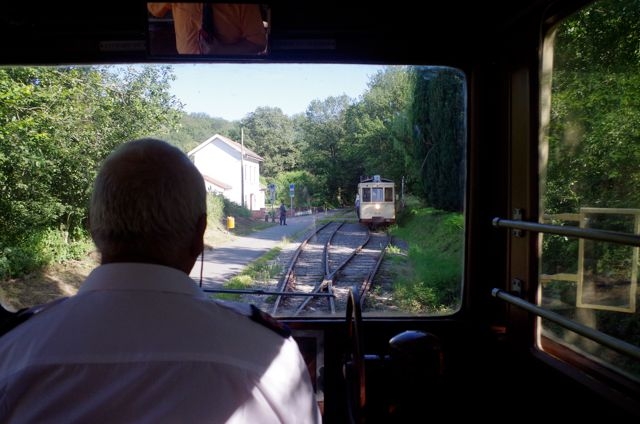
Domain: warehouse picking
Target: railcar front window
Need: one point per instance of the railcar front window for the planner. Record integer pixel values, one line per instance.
(590, 155)
(404, 129)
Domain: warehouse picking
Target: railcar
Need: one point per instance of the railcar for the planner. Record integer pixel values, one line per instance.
(376, 201)
(525, 114)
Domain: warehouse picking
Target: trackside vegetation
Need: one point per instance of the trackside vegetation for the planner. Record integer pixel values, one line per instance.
(427, 269)
(427, 279)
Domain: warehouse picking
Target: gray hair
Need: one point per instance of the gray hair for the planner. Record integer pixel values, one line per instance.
(147, 200)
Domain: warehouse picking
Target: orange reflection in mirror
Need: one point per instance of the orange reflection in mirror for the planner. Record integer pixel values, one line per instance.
(216, 29)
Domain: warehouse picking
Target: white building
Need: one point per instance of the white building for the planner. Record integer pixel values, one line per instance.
(231, 169)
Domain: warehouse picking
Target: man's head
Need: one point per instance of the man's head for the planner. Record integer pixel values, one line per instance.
(149, 205)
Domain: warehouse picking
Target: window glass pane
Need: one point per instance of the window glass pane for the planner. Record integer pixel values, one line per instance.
(591, 178)
(366, 194)
(388, 194)
(406, 128)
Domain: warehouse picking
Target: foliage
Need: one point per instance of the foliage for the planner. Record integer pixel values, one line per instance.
(378, 129)
(595, 127)
(237, 282)
(262, 269)
(215, 210)
(308, 192)
(52, 116)
(436, 240)
(597, 110)
(593, 151)
(234, 209)
(56, 126)
(336, 141)
(439, 120)
(323, 150)
(271, 135)
(195, 128)
(41, 248)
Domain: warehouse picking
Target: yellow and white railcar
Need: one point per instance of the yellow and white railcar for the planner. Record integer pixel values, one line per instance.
(376, 201)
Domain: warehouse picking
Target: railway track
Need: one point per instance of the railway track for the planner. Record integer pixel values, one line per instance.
(335, 257)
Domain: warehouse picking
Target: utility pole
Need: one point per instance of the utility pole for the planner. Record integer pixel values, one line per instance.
(292, 191)
(242, 167)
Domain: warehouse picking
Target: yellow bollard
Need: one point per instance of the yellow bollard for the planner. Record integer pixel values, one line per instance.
(231, 222)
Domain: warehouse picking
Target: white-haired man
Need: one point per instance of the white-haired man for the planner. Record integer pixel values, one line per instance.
(140, 341)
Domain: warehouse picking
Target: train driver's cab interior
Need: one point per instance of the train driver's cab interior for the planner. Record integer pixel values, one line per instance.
(481, 182)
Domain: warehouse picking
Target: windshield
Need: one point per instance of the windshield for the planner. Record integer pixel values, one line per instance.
(377, 149)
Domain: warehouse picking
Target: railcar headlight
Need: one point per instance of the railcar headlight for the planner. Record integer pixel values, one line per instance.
(377, 206)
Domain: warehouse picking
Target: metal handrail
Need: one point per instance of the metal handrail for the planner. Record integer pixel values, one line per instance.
(602, 338)
(265, 292)
(586, 233)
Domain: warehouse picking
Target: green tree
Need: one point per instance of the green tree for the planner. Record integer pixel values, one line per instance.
(271, 135)
(325, 144)
(194, 128)
(595, 126)
(439, 120)
(56, 126)
(378, 128)
(308, 189)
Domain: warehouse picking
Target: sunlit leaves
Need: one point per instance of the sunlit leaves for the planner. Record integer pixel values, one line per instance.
(56, 126)
(270, 133)
(594, 137)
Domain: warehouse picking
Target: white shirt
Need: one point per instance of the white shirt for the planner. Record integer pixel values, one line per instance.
(141, 343)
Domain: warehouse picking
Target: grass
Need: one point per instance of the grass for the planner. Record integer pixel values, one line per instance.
(261, 270)
(429, 278)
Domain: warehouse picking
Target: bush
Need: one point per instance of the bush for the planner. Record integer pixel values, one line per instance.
(234, 209)
(42, 248)
(215, 210)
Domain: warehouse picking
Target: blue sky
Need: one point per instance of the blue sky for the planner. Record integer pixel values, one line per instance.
(231, 91)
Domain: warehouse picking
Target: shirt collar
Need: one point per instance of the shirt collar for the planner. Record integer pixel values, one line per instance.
(140, 276)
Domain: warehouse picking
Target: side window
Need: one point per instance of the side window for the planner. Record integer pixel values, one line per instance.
(589, 157)
(388, 194)
(366, 194)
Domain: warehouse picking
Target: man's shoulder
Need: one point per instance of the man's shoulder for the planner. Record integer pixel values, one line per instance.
(9, 319)
(257, 315)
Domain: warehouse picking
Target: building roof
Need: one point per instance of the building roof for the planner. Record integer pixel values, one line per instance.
(217, 183)
(249, 154)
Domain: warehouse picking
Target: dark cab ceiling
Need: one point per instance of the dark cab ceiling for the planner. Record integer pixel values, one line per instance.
(56, 32)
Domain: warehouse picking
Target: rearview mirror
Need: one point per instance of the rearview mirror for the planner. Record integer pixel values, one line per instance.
(208, 29)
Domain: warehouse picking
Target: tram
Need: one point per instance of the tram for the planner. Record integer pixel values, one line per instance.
(376, 201)
(516, 124)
